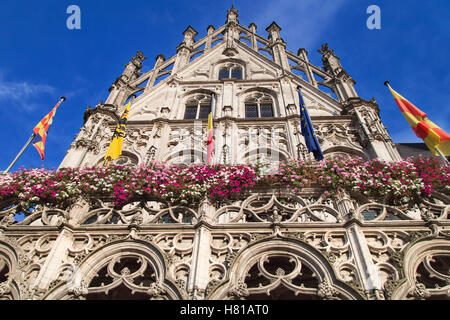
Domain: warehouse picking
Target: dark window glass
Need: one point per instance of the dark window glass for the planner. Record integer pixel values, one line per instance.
(266, 110)
(251, 110)
(224, 73)
(236, 73)
(204, 111)
(191, 112)
(369, 214)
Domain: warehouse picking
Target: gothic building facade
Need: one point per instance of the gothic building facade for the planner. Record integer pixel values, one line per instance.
(271, 244)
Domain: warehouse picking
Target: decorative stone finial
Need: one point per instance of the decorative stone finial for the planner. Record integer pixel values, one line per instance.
(324, 49)
(137, 60)
(232, 15)
(302, 50)
(160, 57)
(190, 32)
(274, 31)
(189, 35)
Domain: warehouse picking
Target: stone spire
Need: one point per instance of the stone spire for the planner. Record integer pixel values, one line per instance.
(278, 46)
(185, 48)
(189, 35)
(274, 32)
(231, 32)
(121, 87)
(343, 81)
(133, 68)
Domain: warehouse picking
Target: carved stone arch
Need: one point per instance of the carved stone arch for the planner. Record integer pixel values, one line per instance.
(186, 156)
(258, 89)
(418, 269)
(11, 260)
(127, 158)
(198, 95)
(265, 155)
(197, 91)
(121, 269)
(242, 96)
(306, 261)
(343, 150)
(230, 61)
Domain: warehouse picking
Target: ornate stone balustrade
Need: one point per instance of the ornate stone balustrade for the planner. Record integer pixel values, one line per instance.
(264, 245)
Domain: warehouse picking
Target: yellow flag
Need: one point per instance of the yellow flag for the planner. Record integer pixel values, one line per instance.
(115, 147)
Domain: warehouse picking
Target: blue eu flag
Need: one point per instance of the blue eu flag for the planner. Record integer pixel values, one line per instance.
(308, 130)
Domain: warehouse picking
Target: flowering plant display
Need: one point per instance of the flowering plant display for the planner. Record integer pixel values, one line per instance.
(189, 184)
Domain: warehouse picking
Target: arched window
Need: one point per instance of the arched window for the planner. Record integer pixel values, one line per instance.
(259, 105)
(126, 159)
(198, 107)
(232, 71)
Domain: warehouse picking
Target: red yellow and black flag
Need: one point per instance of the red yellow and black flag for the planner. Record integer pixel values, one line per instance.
(436, 139)
(39, 135)
(41, 130)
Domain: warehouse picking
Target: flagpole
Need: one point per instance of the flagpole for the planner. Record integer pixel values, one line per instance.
(20, 152)
(106, 163)
(442, 155)
(307, 129)
(33, 135)
(213, 107)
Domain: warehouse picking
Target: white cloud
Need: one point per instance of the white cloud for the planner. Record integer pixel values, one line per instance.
(22, 93)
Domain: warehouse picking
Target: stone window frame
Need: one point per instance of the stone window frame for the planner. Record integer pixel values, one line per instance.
(258, 98)
(231, 67)
(235, 286)
(202, 100)
(229, 64)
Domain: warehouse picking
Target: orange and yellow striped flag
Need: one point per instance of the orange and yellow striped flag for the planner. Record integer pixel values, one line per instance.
(433, 136)
(41, 130)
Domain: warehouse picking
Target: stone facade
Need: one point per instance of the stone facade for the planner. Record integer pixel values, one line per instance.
(269, 244)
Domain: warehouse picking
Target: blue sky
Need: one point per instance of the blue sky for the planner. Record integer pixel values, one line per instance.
(41, 60)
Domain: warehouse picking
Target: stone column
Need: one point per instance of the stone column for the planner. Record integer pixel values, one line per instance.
(210, 30)
(365, 266)
(160, 139)
(367, 272)
(78, 212)
(154, 73)
(303, 54)
(372, 133)
(184, 49)
(121, 88)
(84, 142)
(278, 46)
(252, 29)
(51, 268)
(343, 82)
(199, 275)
